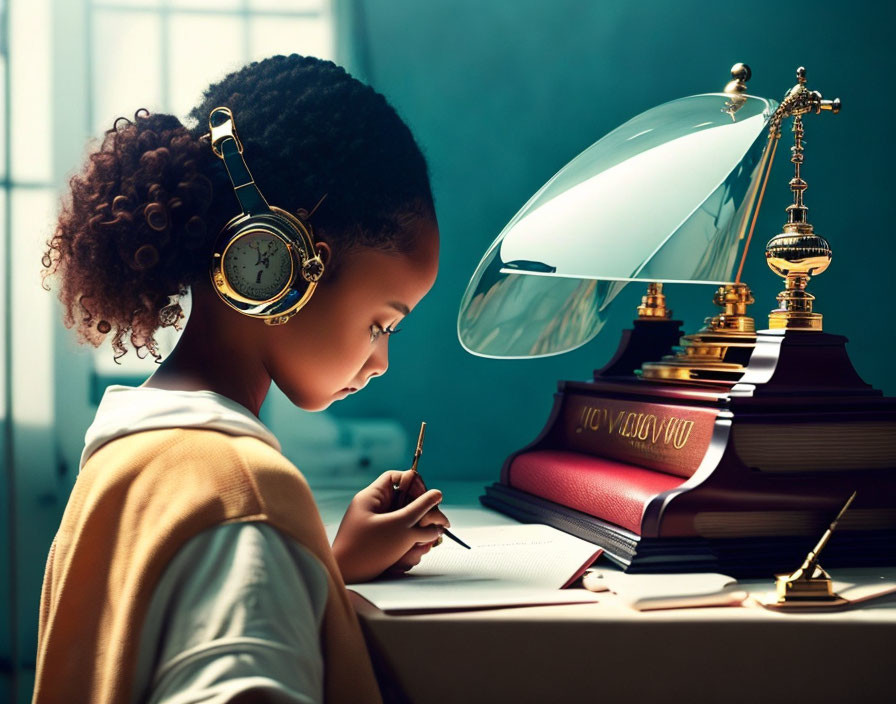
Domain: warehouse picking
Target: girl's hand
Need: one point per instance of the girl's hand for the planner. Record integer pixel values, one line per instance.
(372, 539)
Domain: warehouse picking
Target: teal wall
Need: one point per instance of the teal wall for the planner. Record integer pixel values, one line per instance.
(502, 93)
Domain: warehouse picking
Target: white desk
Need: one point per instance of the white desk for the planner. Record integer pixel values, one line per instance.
(607, 653)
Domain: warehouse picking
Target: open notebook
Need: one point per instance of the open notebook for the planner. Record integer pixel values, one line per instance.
(509, 565)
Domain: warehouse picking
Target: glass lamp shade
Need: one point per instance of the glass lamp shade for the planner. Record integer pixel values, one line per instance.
(664, 197)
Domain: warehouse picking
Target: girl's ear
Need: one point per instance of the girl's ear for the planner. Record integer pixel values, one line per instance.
(323, 249)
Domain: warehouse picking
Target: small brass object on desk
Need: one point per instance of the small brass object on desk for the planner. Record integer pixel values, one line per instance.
(810, 585)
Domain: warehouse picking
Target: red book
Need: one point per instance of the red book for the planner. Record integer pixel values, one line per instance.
(607, 489)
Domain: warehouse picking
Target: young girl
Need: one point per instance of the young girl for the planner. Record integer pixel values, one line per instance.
(191, 563)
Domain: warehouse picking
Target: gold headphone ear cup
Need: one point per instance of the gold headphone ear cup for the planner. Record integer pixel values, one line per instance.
(265, 263)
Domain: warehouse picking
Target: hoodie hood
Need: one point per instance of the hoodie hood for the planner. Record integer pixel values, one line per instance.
(127, 409)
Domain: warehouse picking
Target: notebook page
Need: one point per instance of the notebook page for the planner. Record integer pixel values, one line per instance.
(508, 565)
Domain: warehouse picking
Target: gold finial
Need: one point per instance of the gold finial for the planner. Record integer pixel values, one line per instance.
(653, 304)
(737, 88)
(799, 100)
(740, 74)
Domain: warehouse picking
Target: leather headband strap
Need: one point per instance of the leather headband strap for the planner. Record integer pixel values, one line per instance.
(226, 144)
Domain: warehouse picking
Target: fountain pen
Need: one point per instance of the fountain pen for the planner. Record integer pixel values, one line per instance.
(398, 498)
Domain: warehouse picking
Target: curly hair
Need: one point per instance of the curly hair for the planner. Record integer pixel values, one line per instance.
(139, 222)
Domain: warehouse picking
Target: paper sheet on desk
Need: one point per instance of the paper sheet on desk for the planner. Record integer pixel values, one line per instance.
(508, 566)
(646, 592)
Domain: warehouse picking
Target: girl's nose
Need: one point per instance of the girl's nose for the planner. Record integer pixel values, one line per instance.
(378, 362)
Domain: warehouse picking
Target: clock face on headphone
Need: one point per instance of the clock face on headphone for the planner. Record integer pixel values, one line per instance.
(258, 265)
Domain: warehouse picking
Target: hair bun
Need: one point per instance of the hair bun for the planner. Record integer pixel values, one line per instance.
(133, 233)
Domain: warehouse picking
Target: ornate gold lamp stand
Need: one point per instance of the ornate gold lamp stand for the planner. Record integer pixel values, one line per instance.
(798, 252)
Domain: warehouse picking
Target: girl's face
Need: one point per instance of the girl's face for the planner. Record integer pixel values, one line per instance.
(340, 339)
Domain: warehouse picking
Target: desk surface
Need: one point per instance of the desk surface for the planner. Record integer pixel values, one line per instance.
(608, 652)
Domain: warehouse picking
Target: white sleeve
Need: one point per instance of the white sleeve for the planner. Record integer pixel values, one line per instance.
(238, 611)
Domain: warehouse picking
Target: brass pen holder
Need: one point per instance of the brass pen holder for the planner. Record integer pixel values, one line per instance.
(810, 586)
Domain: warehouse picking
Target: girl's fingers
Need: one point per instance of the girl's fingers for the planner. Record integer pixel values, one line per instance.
(411, 558)
(391, 478)
(435, 516)
(416, 487)
(408, 482)
(382, 495)
(419, 507)
(426, 534)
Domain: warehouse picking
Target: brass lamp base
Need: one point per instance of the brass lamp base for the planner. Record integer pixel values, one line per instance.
(720, 351)
(788, 320)
(794, 257)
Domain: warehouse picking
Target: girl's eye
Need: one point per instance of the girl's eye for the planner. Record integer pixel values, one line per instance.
(377, 330)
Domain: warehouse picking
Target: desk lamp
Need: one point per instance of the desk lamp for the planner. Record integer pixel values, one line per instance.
(730, 451)
(665, 197)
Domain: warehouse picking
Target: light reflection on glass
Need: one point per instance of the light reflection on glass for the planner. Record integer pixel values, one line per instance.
(663, 197)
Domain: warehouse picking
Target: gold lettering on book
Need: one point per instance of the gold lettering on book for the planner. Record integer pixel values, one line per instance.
(643, 427)
(613, 423)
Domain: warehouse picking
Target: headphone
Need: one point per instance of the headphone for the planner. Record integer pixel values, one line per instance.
(265, 263)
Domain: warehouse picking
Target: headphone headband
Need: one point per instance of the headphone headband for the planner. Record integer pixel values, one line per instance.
(226, 144)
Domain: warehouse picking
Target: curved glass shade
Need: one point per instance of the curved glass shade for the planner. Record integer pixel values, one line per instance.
(664, 197)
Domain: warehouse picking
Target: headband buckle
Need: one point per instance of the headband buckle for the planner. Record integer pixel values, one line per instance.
(223, 130)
